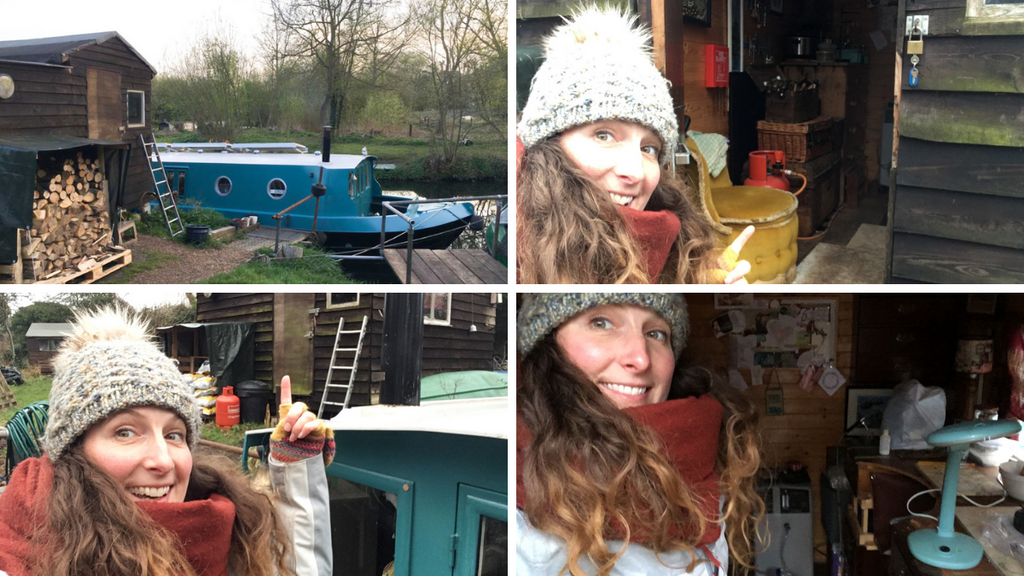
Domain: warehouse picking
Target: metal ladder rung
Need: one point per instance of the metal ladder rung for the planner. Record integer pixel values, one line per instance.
(161, 182)
(328, 384)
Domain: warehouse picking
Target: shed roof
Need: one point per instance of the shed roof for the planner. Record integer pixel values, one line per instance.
(48, 330)
(56, 50)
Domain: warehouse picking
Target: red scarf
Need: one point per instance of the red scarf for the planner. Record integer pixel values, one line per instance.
(203, 527)
(688, 428)
(654, 232)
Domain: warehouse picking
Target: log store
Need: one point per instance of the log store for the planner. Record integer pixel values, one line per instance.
(71, 111)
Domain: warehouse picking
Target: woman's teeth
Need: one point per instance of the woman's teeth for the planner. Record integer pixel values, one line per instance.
(149, 492)
(620, 199)
(631, 390)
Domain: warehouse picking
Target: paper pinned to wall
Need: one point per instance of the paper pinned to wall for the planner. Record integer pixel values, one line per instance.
(777, 337)
(756, 376)
(736, 379)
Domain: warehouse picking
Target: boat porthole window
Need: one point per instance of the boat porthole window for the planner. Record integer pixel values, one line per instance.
(277, 188)
(223, 186)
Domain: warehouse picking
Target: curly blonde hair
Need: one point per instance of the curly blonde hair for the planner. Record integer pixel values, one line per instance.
(570, 232)
(592, 471)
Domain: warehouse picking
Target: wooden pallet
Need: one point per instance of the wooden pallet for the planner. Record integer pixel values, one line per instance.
(7, 399)
(103, 267)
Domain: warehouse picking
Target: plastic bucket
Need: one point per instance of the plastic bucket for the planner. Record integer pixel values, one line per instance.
(255, 398)
(196, 233)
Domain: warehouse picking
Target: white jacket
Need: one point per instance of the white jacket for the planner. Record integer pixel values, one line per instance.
(543, 554)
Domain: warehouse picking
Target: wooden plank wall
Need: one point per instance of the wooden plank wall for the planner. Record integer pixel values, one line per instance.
(40, 358)
(445, 348)
(46, 99)
(813, 421)
(135, 75)
(956, 210)
(708, 108)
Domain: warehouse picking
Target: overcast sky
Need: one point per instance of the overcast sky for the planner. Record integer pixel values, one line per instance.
(151, 297)
(160, 31)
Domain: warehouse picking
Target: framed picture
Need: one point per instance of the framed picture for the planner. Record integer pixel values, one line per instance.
(864, 408)
(981, 303)
(697, 12)
(730, 301)
(776, 6)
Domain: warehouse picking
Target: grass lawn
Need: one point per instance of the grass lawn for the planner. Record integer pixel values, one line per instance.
(232, 436)
(313, 268)
(486, 159)
(151, 261)
(33, 390)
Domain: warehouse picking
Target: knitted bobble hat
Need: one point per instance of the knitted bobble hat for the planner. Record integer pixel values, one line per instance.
(541, 314)
(110, 363)
(598, 66)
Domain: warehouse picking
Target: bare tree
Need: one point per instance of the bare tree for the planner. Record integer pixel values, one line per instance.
(451, 47)
(330, 32)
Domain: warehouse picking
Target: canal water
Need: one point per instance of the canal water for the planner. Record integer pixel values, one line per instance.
(380, 272)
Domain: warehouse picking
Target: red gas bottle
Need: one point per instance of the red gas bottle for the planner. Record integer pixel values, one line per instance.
(766, 170)
(228, 408)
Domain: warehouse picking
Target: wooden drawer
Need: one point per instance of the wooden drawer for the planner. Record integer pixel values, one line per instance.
(917, 310)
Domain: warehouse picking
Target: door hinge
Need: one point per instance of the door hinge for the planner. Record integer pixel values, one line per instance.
(455, 545)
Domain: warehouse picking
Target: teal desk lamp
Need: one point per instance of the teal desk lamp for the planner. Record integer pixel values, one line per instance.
(942, 547)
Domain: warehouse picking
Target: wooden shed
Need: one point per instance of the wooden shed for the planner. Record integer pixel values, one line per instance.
(295, 334)
(94, 86)
(957, 209)
(43, 340)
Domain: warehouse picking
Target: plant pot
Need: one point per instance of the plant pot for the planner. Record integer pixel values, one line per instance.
(196, 233)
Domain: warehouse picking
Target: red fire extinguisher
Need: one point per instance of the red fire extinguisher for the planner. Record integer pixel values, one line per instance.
(228, 408)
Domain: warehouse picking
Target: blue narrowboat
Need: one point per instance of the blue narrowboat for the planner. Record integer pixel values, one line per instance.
(250, 183)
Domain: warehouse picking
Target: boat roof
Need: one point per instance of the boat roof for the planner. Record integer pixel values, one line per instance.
(237, 147)
(343, 161)
(487, 417)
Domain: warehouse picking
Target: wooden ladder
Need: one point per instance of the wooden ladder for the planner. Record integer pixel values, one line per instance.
(7, 399)
(329, 385)
(157, 173)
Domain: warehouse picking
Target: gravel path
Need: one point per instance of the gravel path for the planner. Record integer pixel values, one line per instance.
(189, 264)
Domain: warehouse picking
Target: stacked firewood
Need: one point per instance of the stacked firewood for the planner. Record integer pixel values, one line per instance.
(71, 220)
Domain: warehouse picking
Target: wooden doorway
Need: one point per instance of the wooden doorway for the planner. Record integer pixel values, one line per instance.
(103, 100)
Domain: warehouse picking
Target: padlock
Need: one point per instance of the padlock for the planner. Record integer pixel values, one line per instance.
(915, 46)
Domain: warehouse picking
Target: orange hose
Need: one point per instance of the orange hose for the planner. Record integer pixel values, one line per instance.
(791, 173)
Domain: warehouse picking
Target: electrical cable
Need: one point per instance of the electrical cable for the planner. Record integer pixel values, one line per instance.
(959, 495)
(827, 224)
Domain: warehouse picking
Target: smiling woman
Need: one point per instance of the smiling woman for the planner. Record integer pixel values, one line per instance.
(598, 200)
(627, 461)
(118, 486)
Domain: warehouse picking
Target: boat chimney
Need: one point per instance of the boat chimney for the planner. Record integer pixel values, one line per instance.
(402, 349)
(325, 156)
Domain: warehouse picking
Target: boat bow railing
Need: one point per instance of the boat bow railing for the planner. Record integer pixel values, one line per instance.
(390, 206)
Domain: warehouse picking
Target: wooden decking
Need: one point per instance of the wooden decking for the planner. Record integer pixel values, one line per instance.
(448, 267)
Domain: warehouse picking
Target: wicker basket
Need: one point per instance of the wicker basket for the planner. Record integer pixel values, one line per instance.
(799, 142)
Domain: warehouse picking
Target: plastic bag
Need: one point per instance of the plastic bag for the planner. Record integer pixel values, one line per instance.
(998, 532)
(914, 412)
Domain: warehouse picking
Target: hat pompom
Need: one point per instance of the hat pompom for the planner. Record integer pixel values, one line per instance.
(594, 28)
(107, 324)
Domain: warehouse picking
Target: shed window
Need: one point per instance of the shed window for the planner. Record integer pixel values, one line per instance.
(338, 301)
(136, 108)
(437, 309)
(995, 10)
(223, 186)
(47, 345)
(277, 188)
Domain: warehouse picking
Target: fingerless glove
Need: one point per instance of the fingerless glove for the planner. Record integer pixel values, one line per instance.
(317, 442)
